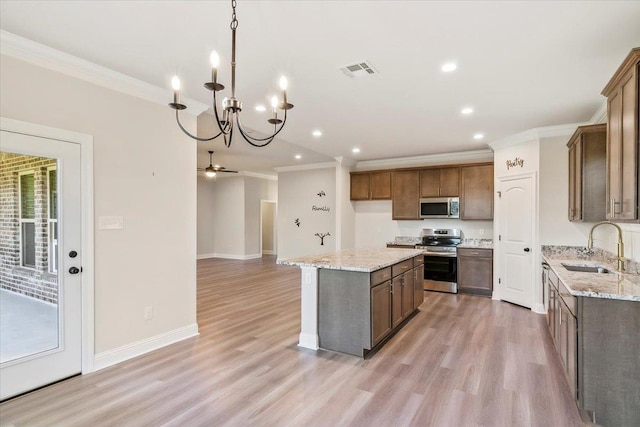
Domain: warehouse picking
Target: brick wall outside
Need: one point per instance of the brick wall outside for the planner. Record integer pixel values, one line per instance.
(36, 283)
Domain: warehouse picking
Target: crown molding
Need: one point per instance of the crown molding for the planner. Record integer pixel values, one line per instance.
(258, 175)
(429, 159)
(600, 116)
(535, 135)
(324, 165)
(44, 56)
(346, 162)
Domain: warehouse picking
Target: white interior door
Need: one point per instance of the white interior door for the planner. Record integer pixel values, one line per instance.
(41, 292)
(517, 222)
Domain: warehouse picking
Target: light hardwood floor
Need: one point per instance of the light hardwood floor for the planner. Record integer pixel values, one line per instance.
(461, 361)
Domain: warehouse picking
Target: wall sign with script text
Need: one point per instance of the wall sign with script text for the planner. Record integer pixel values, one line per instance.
(515, 162)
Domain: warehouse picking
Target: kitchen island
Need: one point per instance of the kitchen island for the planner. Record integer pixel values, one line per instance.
(353, 300)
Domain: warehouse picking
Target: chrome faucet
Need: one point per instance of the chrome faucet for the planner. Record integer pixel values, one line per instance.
(621, 259)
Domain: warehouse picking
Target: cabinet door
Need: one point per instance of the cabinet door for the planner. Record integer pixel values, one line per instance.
(476, 197)
(360, 189)
(407, 293)
(380, 311)
(575, 181)
(430, 183)
(418, 286)
(396, 301)
(404, 194)
(380, 185)
(622, 146)
(450, 182)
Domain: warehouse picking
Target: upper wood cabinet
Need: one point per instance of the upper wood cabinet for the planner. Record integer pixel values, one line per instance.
(371, 185)
(587, 173)
(405, 190)
(476, 195)
(443, 182)
(623, 140)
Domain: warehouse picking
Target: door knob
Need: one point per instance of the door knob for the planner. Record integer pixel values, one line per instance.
(527, 249)
(74, 270)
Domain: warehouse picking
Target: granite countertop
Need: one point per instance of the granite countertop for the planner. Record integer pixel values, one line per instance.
(476, 244)
(614, 285)
(363, 260)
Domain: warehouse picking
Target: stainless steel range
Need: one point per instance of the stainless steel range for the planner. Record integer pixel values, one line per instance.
(440, 258)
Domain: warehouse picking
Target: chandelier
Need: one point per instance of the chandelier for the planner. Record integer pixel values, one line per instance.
(231, 107)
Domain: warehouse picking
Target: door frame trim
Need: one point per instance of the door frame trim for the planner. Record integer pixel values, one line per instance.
(86, 196)
(535, 247)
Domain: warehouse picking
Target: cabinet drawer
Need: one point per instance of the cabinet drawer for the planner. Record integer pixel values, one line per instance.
(485, 253)
(567, 298)
(402, 267)
(418, 260)
(380, 276)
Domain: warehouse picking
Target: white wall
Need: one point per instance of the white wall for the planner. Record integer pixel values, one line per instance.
(229, 215)
(345, 210)
(297, 194)
(374, 226)
(143, 171)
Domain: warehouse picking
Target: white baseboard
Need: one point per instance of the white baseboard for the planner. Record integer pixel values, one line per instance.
(135, 349)
(229, 256)
(539, 308)
(309, 341)
(265, 252)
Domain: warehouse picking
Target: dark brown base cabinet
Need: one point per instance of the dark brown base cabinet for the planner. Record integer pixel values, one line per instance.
(598, 342)
(475, 271)
(358, 311)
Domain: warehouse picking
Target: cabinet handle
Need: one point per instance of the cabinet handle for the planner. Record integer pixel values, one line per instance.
(612, 209)
(560, 312)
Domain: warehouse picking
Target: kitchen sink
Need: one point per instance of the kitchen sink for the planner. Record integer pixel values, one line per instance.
(587, 268)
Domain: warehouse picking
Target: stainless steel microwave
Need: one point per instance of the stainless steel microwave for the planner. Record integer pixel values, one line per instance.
(440, 207)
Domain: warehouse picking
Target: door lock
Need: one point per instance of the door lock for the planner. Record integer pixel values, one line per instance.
(527, 249)
(74, 270)
(73, 254)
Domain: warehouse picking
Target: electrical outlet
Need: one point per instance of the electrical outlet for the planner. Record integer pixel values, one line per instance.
(148, 313)
(481, 231)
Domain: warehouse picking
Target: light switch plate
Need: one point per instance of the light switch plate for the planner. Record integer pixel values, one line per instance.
(110, 223)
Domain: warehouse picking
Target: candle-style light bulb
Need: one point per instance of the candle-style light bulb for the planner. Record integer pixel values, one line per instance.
(214, 58)
(283, 83)
(274, 102)
(175, 84)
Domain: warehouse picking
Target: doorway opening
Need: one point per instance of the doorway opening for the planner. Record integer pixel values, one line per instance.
(268, 215)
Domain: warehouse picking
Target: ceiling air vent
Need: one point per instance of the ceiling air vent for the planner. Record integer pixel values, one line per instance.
(360, 69)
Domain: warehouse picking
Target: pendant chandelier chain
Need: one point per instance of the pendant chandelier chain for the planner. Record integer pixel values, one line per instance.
(234, 19)
(231, 107)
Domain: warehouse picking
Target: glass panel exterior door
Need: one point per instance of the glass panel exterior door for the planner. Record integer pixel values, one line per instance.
(40, 289)
(29, 294)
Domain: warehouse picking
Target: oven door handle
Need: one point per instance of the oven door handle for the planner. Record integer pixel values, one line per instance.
(441, 254)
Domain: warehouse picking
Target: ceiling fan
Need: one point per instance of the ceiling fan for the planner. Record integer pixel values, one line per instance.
(212, 170)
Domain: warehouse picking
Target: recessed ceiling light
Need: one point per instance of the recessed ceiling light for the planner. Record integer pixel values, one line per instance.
(298, 156)
(316, 133)
(261, 108)
(449, 67)
(466, 110)
(355, 150)
(478, 136)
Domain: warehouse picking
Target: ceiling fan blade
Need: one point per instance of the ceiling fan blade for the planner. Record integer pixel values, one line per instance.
(200, 169)
(228, 171)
